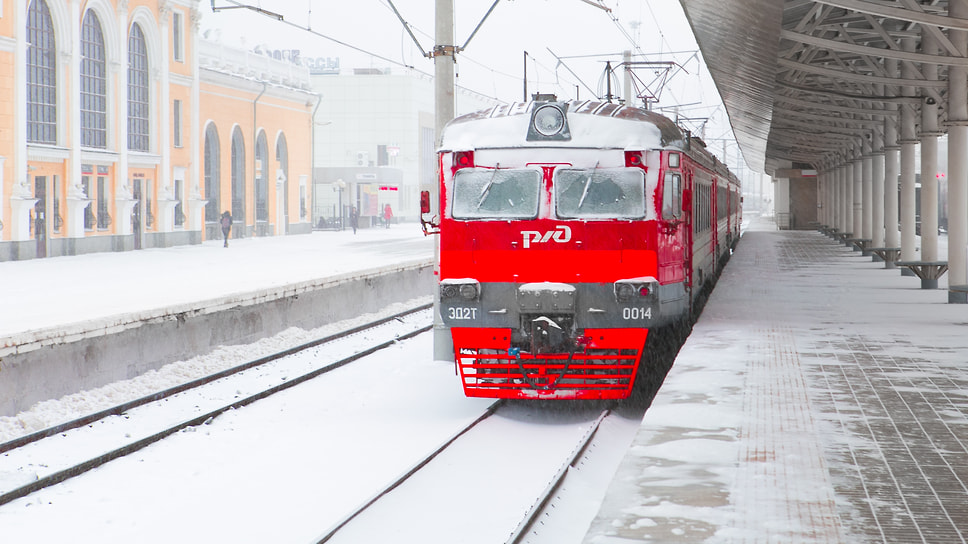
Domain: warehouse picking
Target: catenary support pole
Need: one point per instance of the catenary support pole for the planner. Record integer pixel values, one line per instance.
(444, 108)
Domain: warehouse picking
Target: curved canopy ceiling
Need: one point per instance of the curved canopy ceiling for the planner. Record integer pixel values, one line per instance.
(805, 81)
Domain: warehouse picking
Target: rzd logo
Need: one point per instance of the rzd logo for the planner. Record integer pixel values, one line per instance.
(561, 234)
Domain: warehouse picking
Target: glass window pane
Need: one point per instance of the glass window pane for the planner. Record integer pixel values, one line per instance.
(614, 193)
(138, 106)
(496, 194)
(41, 80)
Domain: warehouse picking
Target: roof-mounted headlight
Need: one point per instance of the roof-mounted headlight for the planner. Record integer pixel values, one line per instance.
(549, 121)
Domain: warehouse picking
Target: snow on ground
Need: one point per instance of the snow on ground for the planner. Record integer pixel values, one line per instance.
(46, 293)
(743, 442)
(55, 411)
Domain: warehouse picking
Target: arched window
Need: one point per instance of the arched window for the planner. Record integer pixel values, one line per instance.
(238, 176)
(41, 75)
(94, 102)
(262, 178)
(211, 175)
(282, 156)
(138, 99)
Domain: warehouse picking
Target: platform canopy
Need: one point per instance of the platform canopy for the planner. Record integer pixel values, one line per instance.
(804, 79)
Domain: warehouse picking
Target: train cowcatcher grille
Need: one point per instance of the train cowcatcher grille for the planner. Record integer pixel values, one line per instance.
(603, 369)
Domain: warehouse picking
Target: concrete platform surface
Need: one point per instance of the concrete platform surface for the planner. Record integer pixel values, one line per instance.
(820, 398)
(48, 293)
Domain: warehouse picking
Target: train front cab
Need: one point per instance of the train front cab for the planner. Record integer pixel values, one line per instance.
(552, 303)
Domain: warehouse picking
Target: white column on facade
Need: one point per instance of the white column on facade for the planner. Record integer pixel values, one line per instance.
(3, 186)
(958, 160)
(196, 201)
(867, 186)
(123, 199)
(908, 139)
(929, 158)
(877, 191)
(164, 124)
(77, 199)
(18, 225)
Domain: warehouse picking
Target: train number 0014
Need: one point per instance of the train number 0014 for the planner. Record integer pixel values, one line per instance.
(636, 313)
(459, 313)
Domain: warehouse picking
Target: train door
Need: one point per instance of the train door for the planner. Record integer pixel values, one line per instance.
(671, 239)
(40, 215)
(688, 226)
(714, 218)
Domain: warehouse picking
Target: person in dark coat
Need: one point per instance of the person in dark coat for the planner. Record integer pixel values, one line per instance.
(354, 219)
(226, 222)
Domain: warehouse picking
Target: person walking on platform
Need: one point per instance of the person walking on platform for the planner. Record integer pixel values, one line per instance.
(387, 216)
(226, 222)
(354, 219)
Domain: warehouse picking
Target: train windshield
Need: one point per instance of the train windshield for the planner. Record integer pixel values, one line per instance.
(491, 193)
(600, 193)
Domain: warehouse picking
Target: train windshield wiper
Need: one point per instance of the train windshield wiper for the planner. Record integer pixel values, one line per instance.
(588, 183)
(487, 188)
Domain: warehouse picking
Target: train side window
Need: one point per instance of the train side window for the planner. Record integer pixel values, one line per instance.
(672, 196)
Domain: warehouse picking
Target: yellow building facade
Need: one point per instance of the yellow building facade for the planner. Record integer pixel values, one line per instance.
(122, 129)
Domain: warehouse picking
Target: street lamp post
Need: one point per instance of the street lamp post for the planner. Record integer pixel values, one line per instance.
(340, 184)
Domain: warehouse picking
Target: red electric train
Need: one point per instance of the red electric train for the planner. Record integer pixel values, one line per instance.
(569, 231)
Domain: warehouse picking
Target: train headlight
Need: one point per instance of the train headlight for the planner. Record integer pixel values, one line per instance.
(624, 291)
(465, 289)
(468, 291)
(549, 121)
(637, 289)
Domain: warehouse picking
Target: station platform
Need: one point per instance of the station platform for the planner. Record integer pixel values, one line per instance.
(820, 398)
(82, 322)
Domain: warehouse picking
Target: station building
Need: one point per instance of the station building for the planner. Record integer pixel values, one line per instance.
(374, 138)
(121, 129)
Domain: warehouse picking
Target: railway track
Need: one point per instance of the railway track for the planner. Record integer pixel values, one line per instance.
(524, 514)
(220, 396)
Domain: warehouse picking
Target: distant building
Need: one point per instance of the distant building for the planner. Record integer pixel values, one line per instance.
(121, 129)
(374, 139)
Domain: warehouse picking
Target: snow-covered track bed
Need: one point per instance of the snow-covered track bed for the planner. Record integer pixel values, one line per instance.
(50, 456)
(504, 472)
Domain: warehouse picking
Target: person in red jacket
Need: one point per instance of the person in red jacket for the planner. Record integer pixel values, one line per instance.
(387, 216)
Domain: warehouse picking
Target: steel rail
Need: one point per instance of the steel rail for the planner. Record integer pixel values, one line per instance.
(80, 468)
(539, 506)
(409, 473)
(160, 395)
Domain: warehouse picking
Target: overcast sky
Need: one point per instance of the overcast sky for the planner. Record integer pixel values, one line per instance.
(582, 35)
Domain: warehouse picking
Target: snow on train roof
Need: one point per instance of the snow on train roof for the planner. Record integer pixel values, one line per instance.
(592, 124)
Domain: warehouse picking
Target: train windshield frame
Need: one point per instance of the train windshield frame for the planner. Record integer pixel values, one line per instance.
(600, 193)
(492, 193)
